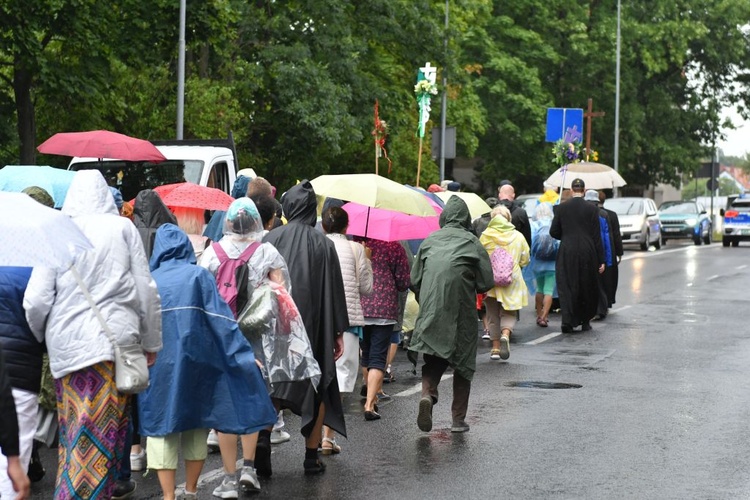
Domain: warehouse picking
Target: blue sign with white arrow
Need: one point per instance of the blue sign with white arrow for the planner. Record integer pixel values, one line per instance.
(564, 123)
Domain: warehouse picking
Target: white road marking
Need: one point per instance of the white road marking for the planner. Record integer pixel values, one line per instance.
(619, 309)
(713, 277)
(656, 253)
(544, 339)
(418, 388)
(743, 266)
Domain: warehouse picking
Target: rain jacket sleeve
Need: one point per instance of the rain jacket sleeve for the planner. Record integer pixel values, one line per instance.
(150, 303)
(38, 299)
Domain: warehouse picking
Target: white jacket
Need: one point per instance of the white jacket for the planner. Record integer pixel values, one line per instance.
(356, 270)
(117, 275)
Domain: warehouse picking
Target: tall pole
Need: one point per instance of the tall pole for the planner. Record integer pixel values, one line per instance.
(617, 98)
(444, 103)
(181, 72)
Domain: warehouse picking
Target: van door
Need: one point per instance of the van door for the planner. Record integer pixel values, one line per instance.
(218, 177)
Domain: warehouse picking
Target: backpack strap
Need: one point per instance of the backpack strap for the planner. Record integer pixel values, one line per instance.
(220, 253)
(248, 252)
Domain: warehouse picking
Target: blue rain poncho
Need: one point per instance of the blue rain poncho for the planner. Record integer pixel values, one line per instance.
(206, 375)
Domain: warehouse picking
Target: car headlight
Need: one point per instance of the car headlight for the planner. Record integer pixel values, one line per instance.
(691, 222)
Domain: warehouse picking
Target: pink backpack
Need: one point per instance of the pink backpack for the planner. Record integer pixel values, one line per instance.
(232, 276)
(502, 266)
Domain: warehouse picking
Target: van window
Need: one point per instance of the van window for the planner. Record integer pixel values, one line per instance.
(219, 177)
(131, 177)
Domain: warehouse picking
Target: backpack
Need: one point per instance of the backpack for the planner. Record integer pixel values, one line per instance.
(544, 246)
(502, 266)
(232, 276)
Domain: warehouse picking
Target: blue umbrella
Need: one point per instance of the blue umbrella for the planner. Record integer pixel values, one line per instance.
(431, 196)
(16, 178)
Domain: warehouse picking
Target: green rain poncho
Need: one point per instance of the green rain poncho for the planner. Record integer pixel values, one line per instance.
(449, 270)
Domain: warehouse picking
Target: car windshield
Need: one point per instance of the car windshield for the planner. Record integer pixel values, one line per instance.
(624, 206)
(131, 177)
(678, 207)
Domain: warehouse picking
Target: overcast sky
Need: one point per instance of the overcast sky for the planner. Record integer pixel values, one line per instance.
(738, 140)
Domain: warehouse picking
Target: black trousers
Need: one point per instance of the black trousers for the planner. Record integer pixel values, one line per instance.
(434, 368)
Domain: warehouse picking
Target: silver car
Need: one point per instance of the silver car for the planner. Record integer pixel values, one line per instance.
(639, 220)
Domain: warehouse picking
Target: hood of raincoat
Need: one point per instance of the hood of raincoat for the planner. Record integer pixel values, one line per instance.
(89, 194)
(499, 230)
(150, 213)
(243, 220)
(300, 204)
(172, 245)
(456, 214)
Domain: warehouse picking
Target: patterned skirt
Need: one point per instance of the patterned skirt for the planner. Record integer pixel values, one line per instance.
(93, 424)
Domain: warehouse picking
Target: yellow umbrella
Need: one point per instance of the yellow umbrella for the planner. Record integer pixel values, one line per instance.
(477, 206)
(373, 191)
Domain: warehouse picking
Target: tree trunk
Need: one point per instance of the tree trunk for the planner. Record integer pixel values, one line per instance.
(26, 122)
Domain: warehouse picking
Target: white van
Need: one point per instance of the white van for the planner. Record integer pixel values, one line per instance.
(209, 163)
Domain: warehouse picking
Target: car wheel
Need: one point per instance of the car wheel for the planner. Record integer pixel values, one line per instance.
(736, 243)
(724, 242)
(697, 240)
(709, 236)
(664, 241)
(657, 243)
(644, 245)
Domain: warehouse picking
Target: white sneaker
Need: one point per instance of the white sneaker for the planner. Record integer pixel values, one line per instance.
(138, 461)
(212, 441)
(486, 335)
(249, 479)
(279, 436)
(227, 489)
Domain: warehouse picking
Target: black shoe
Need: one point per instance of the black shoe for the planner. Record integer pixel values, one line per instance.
(566, 328)
(263, 458)
(372, 415)
(314, 466)
(124, 489)
(586, 326)
(363, 391)
(36, 469)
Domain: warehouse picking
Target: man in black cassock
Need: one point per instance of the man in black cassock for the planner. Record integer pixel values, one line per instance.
(611, 274)
(318, 292)
(579, 259)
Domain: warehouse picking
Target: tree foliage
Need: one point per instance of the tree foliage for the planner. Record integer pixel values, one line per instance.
(296, 81)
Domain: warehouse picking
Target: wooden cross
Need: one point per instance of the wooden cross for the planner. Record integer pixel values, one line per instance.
(589, 114)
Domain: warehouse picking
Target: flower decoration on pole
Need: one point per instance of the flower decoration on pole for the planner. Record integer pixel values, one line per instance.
(379, 134)
(424, 89)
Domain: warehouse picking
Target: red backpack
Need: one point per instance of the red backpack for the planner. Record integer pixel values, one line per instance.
(232, 276)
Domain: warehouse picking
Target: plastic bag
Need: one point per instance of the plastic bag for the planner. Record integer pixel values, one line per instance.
(272, 324)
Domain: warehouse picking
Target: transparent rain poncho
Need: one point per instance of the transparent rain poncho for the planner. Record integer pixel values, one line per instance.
(271, 321)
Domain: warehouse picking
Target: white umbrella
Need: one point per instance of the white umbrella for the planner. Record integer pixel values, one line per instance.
(594, 175)
(36, 235)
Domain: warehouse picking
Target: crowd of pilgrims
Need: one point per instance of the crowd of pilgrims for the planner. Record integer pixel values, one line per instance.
(155, 275)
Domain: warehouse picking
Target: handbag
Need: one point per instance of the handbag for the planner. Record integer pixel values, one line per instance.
(131, 367)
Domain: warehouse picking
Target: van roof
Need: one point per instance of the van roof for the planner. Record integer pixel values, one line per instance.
(203, 153)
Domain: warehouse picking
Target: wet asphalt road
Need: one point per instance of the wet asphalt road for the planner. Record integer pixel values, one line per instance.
(653, 403)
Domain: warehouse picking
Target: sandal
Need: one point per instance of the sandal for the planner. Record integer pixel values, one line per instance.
(495, 354)
(541, 322)
(334, 449)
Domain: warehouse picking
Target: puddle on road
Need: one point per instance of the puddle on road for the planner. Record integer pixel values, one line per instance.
(543, 385)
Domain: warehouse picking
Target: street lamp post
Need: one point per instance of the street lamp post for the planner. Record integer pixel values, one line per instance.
(181, 72)
(444, 102)
(617, 99)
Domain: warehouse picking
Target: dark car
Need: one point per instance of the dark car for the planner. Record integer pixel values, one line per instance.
(685, 220)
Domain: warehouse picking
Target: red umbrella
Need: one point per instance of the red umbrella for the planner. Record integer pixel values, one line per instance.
(189, 195)
(101, 144)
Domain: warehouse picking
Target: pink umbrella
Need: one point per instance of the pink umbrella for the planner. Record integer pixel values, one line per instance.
(389, 225)
(189, 195)
(101, 144)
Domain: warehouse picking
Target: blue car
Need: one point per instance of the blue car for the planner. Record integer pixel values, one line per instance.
(685, 220)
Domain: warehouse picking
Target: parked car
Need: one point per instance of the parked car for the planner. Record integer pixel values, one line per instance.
(529, 202)
(639, 220)
(685, 220)
(736, 221)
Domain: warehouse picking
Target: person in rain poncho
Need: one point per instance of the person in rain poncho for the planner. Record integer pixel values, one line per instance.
(543, 254)
(205, 364)
(579, 260)
(502, 302)
(319, 294)
(116, 274)
(450, 269)
(148, 214)
(242, 228)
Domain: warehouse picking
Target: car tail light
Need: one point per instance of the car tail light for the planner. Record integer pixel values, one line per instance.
(731, 213)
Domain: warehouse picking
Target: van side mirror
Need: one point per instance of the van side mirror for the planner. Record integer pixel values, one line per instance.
(650, 213)
(703, 211)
